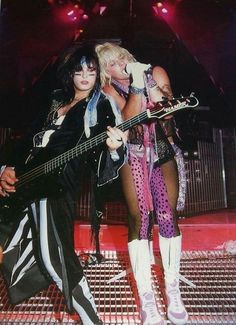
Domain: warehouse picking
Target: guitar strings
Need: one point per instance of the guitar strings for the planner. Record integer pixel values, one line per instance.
(89, 144)
(72, 153)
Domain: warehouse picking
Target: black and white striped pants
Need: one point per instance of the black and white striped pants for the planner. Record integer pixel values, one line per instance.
(44, 238)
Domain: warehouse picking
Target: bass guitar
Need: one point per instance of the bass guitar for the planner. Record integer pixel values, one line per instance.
(33, 181)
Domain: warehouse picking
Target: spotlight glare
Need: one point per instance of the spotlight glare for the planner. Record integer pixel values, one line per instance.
(102, 9)
(85, 17)
(70, 13)
(164, 11)
(155, 9)
(159, 4)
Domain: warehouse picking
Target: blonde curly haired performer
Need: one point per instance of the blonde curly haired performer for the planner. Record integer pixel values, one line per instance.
(150, 182)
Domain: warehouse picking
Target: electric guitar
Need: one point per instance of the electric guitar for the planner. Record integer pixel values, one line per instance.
(33, 181)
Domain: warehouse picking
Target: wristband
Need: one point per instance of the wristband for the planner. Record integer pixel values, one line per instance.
(2, 169)
(135, 90)
(114, 155)
(151, 84)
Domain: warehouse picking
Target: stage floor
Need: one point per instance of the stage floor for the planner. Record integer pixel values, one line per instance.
(204, 262)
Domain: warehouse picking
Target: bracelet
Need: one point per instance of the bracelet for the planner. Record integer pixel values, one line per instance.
(152, 83)
(135, 90)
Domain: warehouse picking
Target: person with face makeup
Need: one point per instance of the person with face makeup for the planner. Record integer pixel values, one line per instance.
(43, 235)
(150, 181)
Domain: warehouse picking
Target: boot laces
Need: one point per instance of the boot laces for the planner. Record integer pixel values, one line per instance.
(175, 297)
(149, 307)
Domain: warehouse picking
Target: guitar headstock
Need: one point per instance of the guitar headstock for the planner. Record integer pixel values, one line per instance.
(168, 107)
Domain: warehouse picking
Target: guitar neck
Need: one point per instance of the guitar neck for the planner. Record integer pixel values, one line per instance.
(160, 110)
(91, 143)
(55, 163)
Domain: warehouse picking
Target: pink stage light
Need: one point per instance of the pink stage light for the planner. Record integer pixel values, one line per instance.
(102, 10)
(164, 11)
(85, 17)
(155, 10)
(70, 13)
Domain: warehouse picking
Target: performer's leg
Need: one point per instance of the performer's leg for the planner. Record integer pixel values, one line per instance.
(22, 272)
(150, 238)
(182, 177)
(1, 255)
(22, 238)
(62, 263)
(164, 186)
(138, 243)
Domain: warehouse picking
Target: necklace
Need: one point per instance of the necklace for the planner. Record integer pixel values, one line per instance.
(125, 89)
(122, 87)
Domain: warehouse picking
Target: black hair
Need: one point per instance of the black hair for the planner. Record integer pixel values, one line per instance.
(71, 62)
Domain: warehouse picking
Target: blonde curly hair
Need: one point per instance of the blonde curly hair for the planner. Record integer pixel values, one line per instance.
(107, 52)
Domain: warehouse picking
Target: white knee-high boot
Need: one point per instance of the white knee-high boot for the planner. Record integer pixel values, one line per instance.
(140, 263)
(170, 249)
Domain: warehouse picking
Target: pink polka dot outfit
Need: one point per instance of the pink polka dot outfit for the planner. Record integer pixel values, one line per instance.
(147, 151)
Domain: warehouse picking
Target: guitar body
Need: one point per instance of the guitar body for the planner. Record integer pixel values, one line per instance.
(48, 185)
